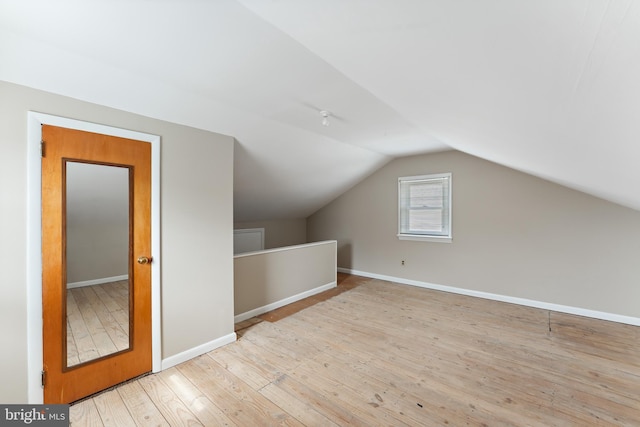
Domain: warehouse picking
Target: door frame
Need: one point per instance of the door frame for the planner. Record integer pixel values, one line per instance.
(35, 120)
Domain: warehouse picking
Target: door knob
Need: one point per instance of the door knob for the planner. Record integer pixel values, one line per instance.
(144, 260)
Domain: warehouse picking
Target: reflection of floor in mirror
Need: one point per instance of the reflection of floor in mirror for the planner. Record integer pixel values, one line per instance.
(97, 321)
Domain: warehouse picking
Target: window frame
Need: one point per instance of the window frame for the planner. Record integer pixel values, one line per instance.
(447, 237)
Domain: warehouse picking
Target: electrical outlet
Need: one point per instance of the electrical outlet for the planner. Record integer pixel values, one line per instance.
(402, 262)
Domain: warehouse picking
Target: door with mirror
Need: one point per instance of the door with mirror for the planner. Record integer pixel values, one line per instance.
(96, 208)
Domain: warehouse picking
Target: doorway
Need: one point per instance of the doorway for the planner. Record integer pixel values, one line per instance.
(79, 355)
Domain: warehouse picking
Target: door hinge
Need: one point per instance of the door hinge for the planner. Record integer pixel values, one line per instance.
(43, 375)
(41, 148)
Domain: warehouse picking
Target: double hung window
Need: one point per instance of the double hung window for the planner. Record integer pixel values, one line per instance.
(424, 207)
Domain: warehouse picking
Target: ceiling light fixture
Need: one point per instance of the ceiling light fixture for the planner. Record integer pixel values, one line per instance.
(325, 117)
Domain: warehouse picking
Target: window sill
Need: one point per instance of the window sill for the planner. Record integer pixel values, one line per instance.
(437, 239)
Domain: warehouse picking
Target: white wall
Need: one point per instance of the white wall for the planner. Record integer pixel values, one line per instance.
(97, 222)
(513, 235)
(197, 222)
(272, 278)
(279, 233)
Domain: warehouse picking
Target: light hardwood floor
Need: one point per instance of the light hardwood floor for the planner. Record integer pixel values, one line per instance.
(97, 321)
(389, 354)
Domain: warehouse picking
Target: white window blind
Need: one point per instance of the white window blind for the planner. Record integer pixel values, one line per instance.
(424, 206)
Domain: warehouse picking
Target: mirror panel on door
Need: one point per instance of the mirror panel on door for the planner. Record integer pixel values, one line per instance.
(98, 254)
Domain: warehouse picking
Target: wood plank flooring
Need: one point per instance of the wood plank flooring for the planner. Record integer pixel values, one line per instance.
(97, 321)
(381, 353)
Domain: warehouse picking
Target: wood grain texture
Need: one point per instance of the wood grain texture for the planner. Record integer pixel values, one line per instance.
(170, 405)
(97, 321)
(387, 354)
(113, 412)
(67, 384)
(86, 414)
(198, 403)
(142, 409)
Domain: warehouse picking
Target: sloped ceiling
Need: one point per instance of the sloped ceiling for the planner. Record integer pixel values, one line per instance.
(547, 87)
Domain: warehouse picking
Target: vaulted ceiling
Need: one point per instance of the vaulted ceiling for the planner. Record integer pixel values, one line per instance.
(549, 87)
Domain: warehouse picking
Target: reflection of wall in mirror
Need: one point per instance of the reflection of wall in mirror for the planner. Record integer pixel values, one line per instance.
(97, 223)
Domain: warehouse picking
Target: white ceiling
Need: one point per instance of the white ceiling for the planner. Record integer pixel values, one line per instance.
(550, 87)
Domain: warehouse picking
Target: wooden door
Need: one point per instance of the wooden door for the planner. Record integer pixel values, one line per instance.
(67, 381)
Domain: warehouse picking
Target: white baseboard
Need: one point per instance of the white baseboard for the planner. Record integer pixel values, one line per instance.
(261, 310)
(197, 351)
(635, 321)
(97, 281)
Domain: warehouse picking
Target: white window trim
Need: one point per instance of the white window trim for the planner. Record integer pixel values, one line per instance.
(425, 237)
(435, 239)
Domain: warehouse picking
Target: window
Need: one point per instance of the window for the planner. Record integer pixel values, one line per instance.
(424, 207)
